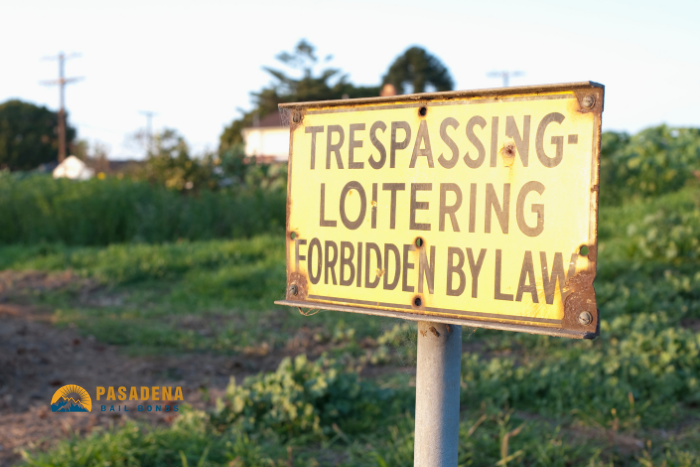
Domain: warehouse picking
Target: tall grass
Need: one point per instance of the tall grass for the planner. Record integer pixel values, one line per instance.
(102, 212)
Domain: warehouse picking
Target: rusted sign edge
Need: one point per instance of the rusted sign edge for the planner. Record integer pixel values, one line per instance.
(428, 96)
(556, 332)
(580, 306)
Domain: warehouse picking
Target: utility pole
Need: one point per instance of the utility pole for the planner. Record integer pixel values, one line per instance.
(505, 76)
(61, 81)
(149, 120)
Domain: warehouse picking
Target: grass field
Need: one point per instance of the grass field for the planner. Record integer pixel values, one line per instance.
(630, 397)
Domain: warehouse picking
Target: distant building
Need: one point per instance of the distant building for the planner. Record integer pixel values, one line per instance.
(73, 168)
(267, 139)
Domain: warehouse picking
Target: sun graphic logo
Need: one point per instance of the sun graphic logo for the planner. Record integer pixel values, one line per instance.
(71, 398)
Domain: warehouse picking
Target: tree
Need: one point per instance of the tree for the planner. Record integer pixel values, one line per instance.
(418, 69)
(28, 135)
(170, 164)
(307, 85)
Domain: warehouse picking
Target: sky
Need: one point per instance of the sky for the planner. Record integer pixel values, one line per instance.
(195, 63)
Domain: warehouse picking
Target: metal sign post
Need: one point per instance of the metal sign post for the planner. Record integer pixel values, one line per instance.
(476, 208)
(437, 394)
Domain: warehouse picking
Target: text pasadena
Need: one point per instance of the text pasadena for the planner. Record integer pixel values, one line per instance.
(164, 393)
(387, 139)
(349, 265)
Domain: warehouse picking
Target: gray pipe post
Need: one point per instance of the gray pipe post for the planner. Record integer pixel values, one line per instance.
(437, 394)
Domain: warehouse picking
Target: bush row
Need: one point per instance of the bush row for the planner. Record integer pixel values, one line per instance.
(102, 212)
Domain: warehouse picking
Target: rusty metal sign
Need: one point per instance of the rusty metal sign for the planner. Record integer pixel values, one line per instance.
(476, 208)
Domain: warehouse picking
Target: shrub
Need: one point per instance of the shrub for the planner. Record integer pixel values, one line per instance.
(639, 367)
(302, 397)
(667, 236)
(655, 161)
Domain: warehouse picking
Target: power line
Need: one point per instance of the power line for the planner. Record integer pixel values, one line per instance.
(505, 75)
(61, 82)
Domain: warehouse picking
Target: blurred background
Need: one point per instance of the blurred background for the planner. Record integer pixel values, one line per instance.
(142, 211)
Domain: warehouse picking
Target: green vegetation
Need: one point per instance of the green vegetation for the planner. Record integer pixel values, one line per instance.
(101, 212)
(311, 414)
(629, 398)
(304, 398)
(655, 161)
(170, 163)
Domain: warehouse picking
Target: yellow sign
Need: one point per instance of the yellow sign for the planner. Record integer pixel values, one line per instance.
(475, 208)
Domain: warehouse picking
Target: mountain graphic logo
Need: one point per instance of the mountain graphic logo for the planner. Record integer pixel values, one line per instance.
(71, 398)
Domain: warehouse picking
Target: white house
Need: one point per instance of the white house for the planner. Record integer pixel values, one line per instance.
(267, 139)
(73, 168)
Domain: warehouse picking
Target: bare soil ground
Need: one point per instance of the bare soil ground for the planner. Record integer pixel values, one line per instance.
(37, 358)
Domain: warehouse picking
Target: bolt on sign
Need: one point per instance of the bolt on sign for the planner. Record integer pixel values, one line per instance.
(476, 208)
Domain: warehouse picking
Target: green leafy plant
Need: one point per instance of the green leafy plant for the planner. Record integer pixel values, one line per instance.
(655, 161)
(304, 397)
